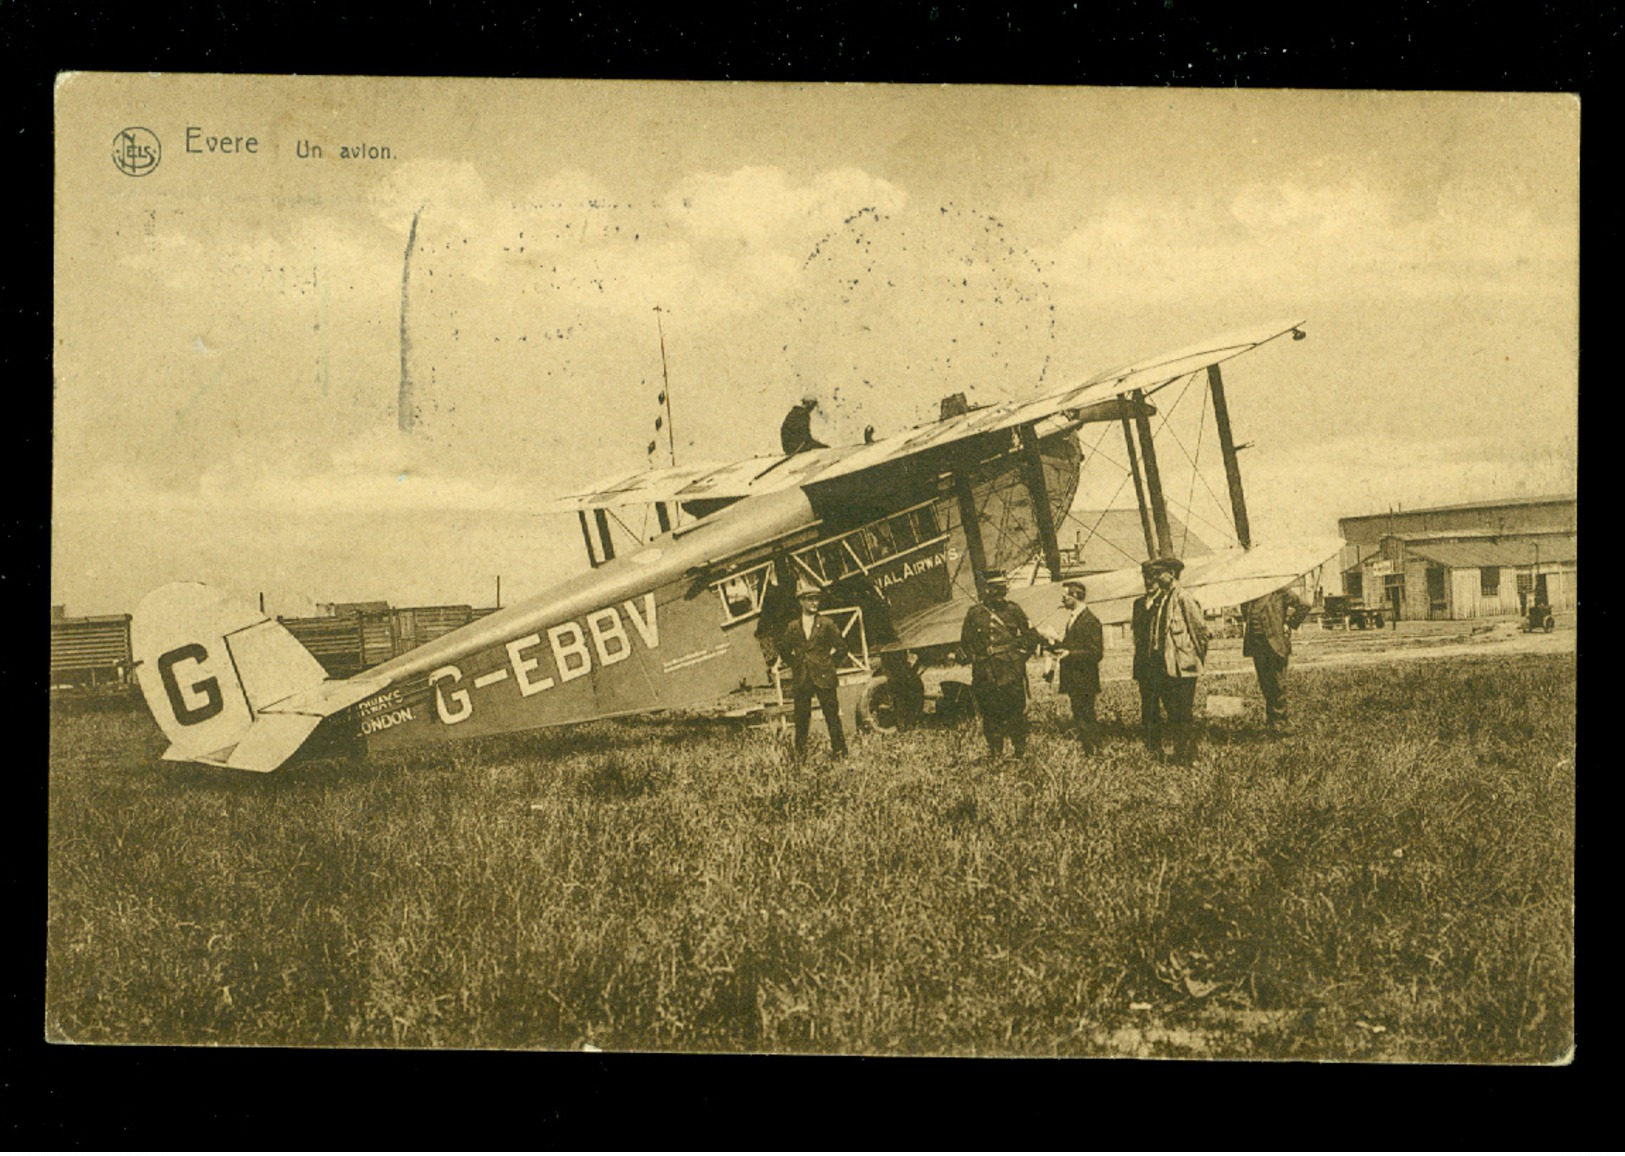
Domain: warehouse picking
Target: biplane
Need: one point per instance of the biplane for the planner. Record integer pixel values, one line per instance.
(897, 532)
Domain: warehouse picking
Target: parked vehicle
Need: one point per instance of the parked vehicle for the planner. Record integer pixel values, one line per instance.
(1346, 612)
(1539, 618)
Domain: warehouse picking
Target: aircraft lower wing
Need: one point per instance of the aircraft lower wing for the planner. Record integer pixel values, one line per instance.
(1227, 578)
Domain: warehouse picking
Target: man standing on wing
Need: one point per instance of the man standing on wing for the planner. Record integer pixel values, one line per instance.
(813, 649)
(1268, 642)
(996, 639)
(1081, 646)
(1178, 638)
(1145, 667)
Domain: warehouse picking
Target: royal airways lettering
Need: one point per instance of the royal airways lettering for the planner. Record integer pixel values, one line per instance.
(910, 569)
(601, 637)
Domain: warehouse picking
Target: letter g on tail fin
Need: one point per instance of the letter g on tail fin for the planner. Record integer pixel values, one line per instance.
(213, 672)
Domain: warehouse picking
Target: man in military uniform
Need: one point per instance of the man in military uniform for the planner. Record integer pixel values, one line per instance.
(1080, 647)
(813, 648)
(997, 640)
(1178, 638)
(1268, 642)
(795, 433)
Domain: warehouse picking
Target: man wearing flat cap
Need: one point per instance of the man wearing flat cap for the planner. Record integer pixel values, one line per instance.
(814, 650)
(997, 639)
(1177, 647)
(1080, 647)
(795, 433)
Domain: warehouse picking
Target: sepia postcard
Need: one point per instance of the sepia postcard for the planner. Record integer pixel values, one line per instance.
(800, 568)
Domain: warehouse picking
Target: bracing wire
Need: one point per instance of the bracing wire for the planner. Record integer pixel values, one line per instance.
(1089, 536)
(1217, 504)
(1196, 470)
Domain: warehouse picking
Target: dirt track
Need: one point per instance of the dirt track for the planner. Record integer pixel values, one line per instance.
(1408, 641)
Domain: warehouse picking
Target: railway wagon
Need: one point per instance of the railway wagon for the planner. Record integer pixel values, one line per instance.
(360, 636)
(93, 651)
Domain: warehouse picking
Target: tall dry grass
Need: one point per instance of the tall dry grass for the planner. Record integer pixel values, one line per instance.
(1392, 881)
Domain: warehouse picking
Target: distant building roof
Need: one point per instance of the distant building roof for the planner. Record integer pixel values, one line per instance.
(1541, 500)
(1506, 552)
(1477, 535)
(1113, 539)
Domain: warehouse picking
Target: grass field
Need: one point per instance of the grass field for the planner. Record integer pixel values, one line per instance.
(1393, 881)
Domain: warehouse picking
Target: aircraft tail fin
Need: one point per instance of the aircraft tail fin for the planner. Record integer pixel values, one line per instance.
(220, 677)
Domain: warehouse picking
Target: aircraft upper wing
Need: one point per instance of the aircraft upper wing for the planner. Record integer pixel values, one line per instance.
(766, 474)
(1227, 578)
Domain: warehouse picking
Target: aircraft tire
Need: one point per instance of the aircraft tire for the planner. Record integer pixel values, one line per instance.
(877, 706)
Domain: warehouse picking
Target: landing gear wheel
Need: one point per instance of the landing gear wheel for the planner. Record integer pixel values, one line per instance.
(878, 708)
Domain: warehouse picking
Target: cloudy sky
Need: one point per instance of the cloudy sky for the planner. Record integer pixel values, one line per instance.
(229, 326)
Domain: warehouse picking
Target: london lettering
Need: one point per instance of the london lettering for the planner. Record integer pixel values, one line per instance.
(602, 637)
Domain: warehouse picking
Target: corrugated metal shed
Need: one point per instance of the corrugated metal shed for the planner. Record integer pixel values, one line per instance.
(1491, 553)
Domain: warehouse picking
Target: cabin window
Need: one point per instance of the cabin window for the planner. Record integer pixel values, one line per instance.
(861, 550)
(1489, 581)
(743, 593)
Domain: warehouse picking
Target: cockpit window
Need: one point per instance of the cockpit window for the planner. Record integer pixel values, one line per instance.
(743, 593)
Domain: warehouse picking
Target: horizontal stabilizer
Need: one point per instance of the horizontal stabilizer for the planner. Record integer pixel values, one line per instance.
(271, 741)
(328, 697)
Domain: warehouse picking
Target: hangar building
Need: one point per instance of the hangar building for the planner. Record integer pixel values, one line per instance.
(1474, 560)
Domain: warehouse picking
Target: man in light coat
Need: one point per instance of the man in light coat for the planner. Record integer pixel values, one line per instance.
(1178, 639)
(1267, 640)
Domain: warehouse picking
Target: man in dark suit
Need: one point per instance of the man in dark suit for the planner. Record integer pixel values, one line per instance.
(996, 639)
(813, 649)
(1268, 642)
(1080, 648)
(1145, 667)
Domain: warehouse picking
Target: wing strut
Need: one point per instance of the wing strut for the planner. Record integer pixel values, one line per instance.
(1232, 468)
(604, 539)
(1139, 482)
(1043, 516)
(586, 536)
(1153, 479)
(971, 521)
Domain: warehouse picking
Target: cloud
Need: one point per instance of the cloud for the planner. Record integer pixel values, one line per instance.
(1293, 238)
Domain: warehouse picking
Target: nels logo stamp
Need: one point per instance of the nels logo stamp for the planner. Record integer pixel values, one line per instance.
(136, 151)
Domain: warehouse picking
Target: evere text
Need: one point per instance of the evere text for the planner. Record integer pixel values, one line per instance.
(572, 646)
(199, 142)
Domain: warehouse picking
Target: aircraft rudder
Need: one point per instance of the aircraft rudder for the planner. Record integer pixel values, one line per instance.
(209, 667)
